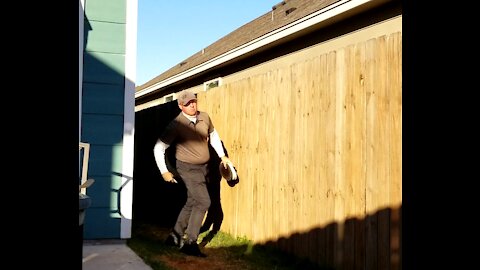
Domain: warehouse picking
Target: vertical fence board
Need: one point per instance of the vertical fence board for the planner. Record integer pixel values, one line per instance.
(383, 168)
(395, 121)
(358, 170)
(317, 145)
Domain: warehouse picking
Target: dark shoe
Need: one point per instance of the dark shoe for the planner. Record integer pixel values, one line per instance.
(172, 240)
(192, 249)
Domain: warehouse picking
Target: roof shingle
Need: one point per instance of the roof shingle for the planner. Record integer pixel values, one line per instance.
(283, 13)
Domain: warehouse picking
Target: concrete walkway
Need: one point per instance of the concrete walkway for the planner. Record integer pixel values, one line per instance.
(110, 255)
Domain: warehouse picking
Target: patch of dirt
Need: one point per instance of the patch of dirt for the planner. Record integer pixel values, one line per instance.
(217, 258)
(148, 241)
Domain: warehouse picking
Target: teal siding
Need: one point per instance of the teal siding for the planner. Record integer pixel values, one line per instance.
(104, 68)
(95, 96)
(106, 37)
(102, 129)
(106, 192)
(105, 160)
(101, 223)
(106, 10)
(103, 112)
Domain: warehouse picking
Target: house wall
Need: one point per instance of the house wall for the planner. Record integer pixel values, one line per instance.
(316, 136)
(107, 116)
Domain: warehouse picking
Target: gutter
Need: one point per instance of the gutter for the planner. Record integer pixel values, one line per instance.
(315, 18)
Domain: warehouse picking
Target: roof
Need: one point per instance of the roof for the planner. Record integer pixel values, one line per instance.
(283, 13)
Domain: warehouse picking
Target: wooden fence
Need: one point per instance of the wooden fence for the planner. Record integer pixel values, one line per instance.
(318, 148)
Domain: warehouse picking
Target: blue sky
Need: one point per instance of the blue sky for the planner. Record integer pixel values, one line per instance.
(171, 31)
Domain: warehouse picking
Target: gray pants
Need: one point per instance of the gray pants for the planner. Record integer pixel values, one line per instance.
(191, 216)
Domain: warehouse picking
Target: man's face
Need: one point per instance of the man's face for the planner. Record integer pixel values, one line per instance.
(190, 107)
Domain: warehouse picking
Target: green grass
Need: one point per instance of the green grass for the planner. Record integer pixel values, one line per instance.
(259, 256)
(147, 241)
(148, 247)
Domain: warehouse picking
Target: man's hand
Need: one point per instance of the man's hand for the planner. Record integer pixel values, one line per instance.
(168, 177)
(225, 161)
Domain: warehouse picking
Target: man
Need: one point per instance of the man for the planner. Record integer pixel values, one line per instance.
(191, 131)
